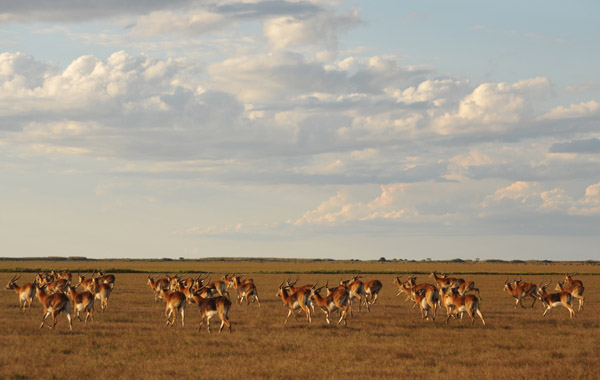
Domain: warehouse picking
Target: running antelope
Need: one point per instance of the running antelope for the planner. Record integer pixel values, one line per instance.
(174, 302)
(60, 285)
(330, 303)
(106, 278)
(357, 290)
(555, 299)
(519, 291)
(465, 286)
(218, 287)
(245, 290)
(372, 289)
(25, 292)
(102, 292)
(158, 286)
(86, 284)
(295, 301)
(82, 302)
(54, 304)
(427, 298)
(216, 306)
(530, 289)
(576, 292)
(458, 304)
(444, 282)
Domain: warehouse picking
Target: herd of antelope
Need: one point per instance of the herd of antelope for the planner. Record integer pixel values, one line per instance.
(456, 295)
(54, 289)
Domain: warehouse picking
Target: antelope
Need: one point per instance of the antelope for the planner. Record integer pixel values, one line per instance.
(106, 278)
(211, 307)
(86, 284)
(25, 292)
(229, 279)
(399, 284)
(175, 302)
(529, 289)
(330, 303)
(292, 288)
(56, 286)
(245, 290)
(295, 301)
(427, 299)
(158, 286)
(82, 302)
(54, 304)
(573, 283)
(66, 275)
(357, 290)
(372, 289)
(555, 299)
(457, 304)
(465, 286)
(444, 282)
(576, 292)
(219, 287)
(519, 292)
(102, 292)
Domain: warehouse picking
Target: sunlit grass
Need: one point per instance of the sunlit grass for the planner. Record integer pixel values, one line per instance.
(131, 340)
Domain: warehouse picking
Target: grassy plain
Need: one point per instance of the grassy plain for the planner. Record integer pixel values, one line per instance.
(130, 340)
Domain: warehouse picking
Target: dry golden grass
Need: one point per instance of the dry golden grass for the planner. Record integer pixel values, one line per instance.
(131, 340)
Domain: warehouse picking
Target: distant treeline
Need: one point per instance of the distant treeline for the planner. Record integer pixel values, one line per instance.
(290, 260)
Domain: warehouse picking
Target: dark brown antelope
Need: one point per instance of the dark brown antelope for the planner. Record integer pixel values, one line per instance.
(555, 299)
(54, 304)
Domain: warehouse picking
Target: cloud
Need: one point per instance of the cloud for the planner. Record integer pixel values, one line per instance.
(574, 111)
(577, 146)
(320, 28)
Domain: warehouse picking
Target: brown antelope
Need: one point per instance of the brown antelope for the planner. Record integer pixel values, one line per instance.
(399, 284)
(444, 282)
(357, 290)
(25, 292)
(573, 283)
(372, 289)
(54, 304)
(576, 292)
(102, 292)
(106, 278)
(465, 286)
(229, 279)
(427, 299)
(458, 304)
(216, 306)
(295, 301)
(66, 275)
(245, 290)
(330, 303)
(218, 287)
(158, 286)
(555, 299)
(519, 292)
(528, 288)
(82, 302)
(86, 284)
(56, 286)
(175, 302)
(292, 288)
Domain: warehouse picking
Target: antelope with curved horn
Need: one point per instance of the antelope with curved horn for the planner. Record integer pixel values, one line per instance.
(54, 304)
(519, 291)
(295, 301)
(458, 304)
(330, 303)
(25, 292)
(555, 299)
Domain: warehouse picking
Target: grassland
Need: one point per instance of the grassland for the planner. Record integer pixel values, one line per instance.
(130, 340)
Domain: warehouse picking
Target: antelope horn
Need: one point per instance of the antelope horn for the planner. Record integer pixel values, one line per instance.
(281, 285)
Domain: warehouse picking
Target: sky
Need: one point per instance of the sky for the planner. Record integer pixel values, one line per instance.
(310, 129)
